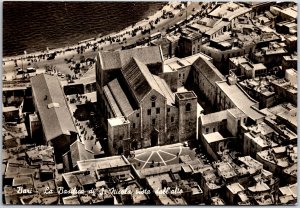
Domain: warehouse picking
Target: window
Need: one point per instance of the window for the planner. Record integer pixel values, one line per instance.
(153, 104)
(149, 112)
(168, 109)
(172, 119)
(153, 121)
(214, 129)
(188, 107)
(206, 130)
(183, 76)
(179, 75)
(172, 138)
(157, 110)
(133, 125)
(137, 115)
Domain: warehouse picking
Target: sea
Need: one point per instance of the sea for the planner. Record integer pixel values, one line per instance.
(34, 26)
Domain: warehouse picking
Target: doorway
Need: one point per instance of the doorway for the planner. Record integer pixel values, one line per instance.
(154, 137)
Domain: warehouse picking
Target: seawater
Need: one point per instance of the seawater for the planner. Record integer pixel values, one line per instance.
(34, 26)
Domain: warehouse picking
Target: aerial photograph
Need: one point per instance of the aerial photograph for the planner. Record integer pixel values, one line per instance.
(149, 103)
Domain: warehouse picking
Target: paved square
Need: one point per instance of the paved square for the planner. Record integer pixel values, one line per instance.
(160, 155)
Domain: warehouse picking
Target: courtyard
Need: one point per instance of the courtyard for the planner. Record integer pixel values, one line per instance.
(160, 155)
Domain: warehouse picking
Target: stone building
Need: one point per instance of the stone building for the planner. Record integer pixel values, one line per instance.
(189, 43)
(51, 108)
(204, 76)
(128, 86)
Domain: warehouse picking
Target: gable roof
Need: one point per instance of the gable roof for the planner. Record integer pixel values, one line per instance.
(138, 78)
(211, 73)
(141, 81)
(52, 107)
(118, 59)
(78, 152)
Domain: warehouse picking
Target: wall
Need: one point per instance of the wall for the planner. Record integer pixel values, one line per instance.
(171, 78)
(147, 120)
(187, 118)
(172, 135)
(116, 135)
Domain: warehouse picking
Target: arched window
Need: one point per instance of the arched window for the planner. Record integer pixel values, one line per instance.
(188, 107)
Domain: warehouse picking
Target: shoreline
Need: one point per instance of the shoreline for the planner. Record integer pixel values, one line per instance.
(124, 32)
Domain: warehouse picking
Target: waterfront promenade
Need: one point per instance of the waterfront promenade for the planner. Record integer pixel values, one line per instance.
(62, 66)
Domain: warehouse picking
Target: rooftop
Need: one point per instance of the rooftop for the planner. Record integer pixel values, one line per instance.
(71, 200)
(102, 163)
(213, 117)
(217, 27)
(186, 95)
(235, 188)
(213, 137)
(56, 121)
(250, 162)
(117, 121)
(79, 152)
(238, 60)
(260, 85)
(259, 187)
(176, 63)
(208, 70)
(290, 58)
(116, 95)
(199, 27)
(240, 99)
(78, 179)
(141, 81)
(118, 59)
(190, 34)
(260, 140)
(229, 10)
(290, 11)
(290, 190)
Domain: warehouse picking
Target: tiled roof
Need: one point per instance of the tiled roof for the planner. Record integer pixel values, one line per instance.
(141, 81)
(118, 59)
(138, 78)
(78, 152)
(56, 121)
(208, 70)
(120, 97)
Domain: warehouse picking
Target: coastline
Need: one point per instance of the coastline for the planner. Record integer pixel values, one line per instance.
(169, 6)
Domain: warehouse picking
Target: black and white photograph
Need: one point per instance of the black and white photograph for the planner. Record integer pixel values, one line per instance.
(149, 103)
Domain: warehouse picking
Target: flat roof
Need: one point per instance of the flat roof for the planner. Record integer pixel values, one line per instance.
(9, 109)
(213, 117)
(117, 121)
(235, 188)
(186, 95)
(238, 60)
(250, 162)
(213, 137)
(217, 27)
(102, 163)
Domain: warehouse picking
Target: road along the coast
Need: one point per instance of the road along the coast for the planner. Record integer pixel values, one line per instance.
(62, 66)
